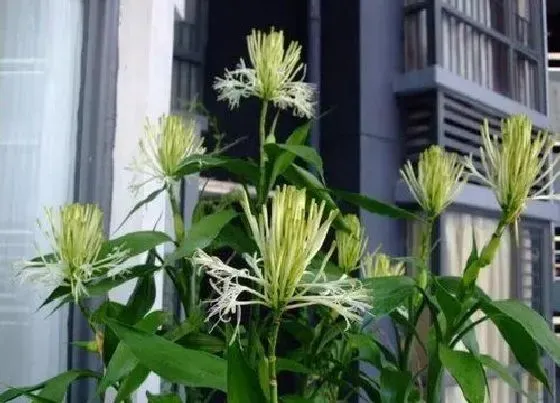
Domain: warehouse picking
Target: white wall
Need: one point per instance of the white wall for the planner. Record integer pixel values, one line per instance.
(143, 91)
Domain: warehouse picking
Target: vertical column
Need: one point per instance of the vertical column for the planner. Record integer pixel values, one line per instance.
(143, 91)
(381, 60)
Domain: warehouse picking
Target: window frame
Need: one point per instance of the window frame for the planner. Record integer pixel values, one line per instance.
(536, 54)
(545, 286)
(93, 176)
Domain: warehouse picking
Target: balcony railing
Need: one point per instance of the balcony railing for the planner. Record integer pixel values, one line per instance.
(495, 43)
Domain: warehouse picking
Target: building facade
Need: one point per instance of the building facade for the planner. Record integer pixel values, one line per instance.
(394, 76)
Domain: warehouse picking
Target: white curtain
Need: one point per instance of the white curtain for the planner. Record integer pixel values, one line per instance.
(467, 52)
(496, 280)
(40, 49)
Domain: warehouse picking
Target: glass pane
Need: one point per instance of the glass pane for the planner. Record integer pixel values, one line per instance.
(40, 56)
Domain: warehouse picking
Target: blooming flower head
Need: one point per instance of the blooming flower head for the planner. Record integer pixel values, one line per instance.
(164, 147)
(350, 243)
(275, 74)
(514, 165)
(380, 265)
(436, 180)
(75, 234)
(287, 240)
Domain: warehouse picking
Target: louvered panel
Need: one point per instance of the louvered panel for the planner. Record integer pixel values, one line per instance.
(418, 116)
(462, 120)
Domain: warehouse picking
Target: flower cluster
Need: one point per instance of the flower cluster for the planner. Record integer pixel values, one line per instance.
(275, 74)
(279, 276)
(350, 244)
(380, 265)
(515, 165)
(163, 149)
(76, 237)
(436, 180)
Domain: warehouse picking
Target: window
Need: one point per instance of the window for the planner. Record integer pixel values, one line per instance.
(494, 43)
(514, 273)
(40, 56)
(188, 55)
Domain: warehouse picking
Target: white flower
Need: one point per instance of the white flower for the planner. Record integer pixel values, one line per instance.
(163, 148)
(275, 75)
(278, 278)
(350, 244)
(380, 265)
(515, 166)
(75, 234)
(436, 180)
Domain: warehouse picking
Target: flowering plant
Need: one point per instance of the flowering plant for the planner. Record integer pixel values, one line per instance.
(281, 295)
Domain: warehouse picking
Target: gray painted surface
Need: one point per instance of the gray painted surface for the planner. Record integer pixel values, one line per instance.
(380, 132)
(96, 130)
(477, 197)
(436, 77)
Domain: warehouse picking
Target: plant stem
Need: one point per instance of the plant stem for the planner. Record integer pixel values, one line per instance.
(273, 337)
(178, 223)
(435, 372)
(261, 194)
(425, 252)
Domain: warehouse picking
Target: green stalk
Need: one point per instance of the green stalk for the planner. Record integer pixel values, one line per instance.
(435, 372)
(261, 193)
(425, 253)
(272, 340)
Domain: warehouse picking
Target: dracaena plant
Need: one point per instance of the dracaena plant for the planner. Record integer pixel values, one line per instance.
(280, 292)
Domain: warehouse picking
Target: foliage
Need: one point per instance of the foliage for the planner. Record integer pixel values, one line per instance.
(305, 328)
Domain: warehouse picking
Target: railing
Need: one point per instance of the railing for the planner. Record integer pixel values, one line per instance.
(489, 42)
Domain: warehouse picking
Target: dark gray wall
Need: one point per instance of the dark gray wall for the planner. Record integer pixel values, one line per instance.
(380, 133)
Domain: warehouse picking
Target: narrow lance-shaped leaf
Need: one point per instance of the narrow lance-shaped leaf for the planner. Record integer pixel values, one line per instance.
(202, 233)
(173, 362)
(151, 197)
(243, 382)
(375, 206)
(467, 371)
(524, 330)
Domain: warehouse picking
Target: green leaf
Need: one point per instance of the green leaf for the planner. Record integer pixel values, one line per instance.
(234, 237)
(245, 170)
(505, 374)
(123, 361)
(136, 243)
(58, 292)
(243, 382)
(389, 293)
(140, 301)
(394, 386)
(375, 206)
(299, 135)
(203, 342)
(167, 398)
(55, 388)
(306, 153)
(368, 349)
(151, 197)
(285, 364)
(132, 382)
(469, 340)
(524, 330)
(450, 306)
(171, 361)
(467, 371)
(285, 159)
(202, 233)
